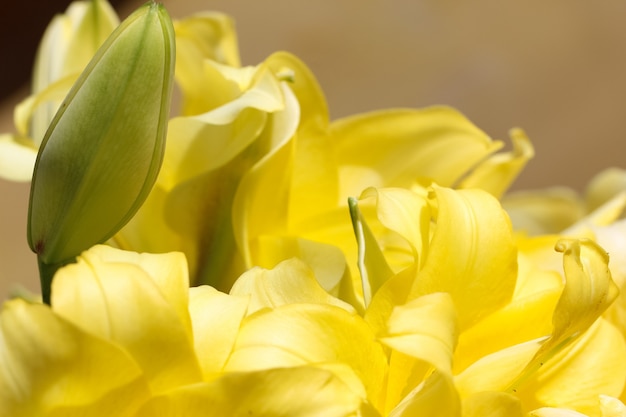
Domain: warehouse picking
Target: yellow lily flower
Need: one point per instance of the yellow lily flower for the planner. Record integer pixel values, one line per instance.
(159, 348)
(464, 328)
(562, 210)
(67, 46)
(597, 215)
(332, 161)
(180, 350)
(527, 335)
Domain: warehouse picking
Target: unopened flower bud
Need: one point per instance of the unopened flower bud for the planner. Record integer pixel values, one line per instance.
(103, 150)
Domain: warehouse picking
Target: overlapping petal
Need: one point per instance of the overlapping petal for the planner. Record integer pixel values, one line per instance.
(311, 334)
(425, 328)
(604, 186)
(492, 404)
(593, 361)
(50, 367)
(399, 146)
(111, 298)
(289, 282)
(467, 267)
(545, 211)
(203, 36)
(579, 343)
(497, 173)
(298, 392)
(216, 319)
(205, 167)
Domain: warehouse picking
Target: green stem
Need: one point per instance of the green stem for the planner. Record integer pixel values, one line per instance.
(217, 258)
(46, 273)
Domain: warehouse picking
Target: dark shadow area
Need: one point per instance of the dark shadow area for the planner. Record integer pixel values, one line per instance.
(22, 23)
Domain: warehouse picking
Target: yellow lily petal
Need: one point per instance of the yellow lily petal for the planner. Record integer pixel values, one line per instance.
(540, 267)
(543, 212)
(588, 292)
(148, 230)
(405, 375)
(314, 176)
(310, 186)
(604, 215)
(314, 185)
(399, 146)
(394, 292)
(50, 367)
(202, 36)
(71, 40)
(604, 186)
(611, 407)
(422, 334)
(425, 328)
(408, 214)
(613, 239)
(495, 372)
(436, 396)
(167, 270)
(294, 392)
(17, 158)
(204, 234)
(40, 108)
(96, 22)
(216, 318)
(67, 46)
(479, 269)
(212, 229)
(555, 412)
(539, 371)
(313, 108)
(597, 364)
(538, 253)
(207, 141)
(253, 213)
(496, 174)
(143, 321)
(308, 334)
(327, 262)
(207, 35)
(260, 89)
(196, 148)
(526, 317)
(492, 404)
(290, 282)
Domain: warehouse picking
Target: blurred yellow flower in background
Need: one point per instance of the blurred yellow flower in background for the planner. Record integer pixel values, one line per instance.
(69, 43)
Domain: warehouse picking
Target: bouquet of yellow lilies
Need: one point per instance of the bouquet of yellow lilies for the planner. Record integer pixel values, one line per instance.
(249, 257)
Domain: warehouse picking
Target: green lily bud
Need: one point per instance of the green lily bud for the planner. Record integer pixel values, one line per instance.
(102, 152)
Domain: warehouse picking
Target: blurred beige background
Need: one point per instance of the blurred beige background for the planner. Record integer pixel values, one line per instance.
(557, 69)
